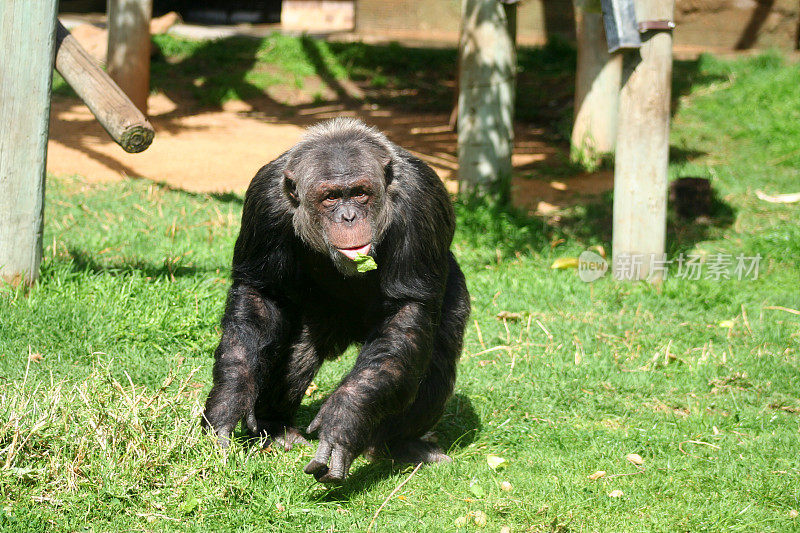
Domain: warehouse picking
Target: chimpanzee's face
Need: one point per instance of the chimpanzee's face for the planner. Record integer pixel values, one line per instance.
(344, 209)
(339, 193)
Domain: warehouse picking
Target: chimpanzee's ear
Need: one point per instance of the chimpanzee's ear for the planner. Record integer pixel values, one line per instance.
(386, 163)
(290, 186)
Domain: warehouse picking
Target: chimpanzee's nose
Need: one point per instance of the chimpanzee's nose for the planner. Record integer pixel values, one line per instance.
(348, 214)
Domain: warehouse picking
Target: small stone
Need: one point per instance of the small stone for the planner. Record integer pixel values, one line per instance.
(793, 513)
(505, 486)
(616, 493)
(505, 529)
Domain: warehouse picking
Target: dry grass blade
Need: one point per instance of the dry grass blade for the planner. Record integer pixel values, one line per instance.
(779, 198)
(781, 308)
(397, 488)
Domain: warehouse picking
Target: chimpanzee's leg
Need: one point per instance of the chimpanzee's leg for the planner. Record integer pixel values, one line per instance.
(400, 435)
(255, 335)
(283, 390)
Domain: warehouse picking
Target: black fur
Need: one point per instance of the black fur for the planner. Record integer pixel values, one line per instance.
(294, 303)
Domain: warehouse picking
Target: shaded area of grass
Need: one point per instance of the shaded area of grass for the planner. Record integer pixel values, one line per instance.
(413, 79)
(105, 363)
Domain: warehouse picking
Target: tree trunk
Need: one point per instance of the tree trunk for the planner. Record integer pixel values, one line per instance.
(486, 99)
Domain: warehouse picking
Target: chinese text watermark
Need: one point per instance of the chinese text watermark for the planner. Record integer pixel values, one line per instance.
(719, 266)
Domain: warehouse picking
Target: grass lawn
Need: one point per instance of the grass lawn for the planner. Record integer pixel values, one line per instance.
(105, 363)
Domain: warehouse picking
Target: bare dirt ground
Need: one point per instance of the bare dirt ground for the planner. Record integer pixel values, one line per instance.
(219, 150)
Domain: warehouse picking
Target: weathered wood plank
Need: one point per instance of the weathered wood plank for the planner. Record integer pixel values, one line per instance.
(642, 157)
(486, 100)
(128, 59)
(27, 41)
(113, 109)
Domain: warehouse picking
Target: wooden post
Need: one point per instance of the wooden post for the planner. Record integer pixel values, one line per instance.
(27, 41)
(640, 173)
(128, 59)
(597, 83)
(113, 109)
(486, 98)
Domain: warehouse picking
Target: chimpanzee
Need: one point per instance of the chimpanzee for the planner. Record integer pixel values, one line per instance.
(298, 297)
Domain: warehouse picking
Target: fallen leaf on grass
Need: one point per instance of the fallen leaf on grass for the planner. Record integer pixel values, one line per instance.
(495, 462)
(616, 493)
(565, 262)
(477, 491)
(188, 506)
(505, 486)
(311, 389)
(793, 513)
(24, 474)
(479, 517)
(598, 248)
(35, 357)
(461, 521)
(634, 458)
(597, 475)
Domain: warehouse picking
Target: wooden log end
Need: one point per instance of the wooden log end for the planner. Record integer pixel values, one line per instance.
(137, 138)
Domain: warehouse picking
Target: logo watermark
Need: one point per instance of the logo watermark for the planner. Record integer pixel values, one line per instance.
(593, 266)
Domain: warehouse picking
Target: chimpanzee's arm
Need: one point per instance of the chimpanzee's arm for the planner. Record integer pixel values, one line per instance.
(253, 327)
(383, 382)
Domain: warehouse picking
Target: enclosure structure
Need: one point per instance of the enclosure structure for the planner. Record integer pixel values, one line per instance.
(597, 81)
(128, 60)
(28, 28)
(31, 30)
(712, 25)
(487, 71)
(642, 154)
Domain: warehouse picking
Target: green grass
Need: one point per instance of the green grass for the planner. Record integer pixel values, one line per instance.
(104, 364)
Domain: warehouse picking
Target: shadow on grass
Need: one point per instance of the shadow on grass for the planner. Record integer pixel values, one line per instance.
(85, 262)
(499, 227)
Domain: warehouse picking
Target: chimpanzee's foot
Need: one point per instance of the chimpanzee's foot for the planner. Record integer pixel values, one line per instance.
(410, 451)
(276, 432)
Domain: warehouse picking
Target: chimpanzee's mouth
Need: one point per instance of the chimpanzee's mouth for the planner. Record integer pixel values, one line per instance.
(353, 252)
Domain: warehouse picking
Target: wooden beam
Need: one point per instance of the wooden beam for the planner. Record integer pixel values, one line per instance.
(486, 98)
(597, 83)
(113, 109)
(27, 41)
(642, 158)
(128, 59)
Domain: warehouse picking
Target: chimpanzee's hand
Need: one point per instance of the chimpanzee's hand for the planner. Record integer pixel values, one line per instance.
(332, 461)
